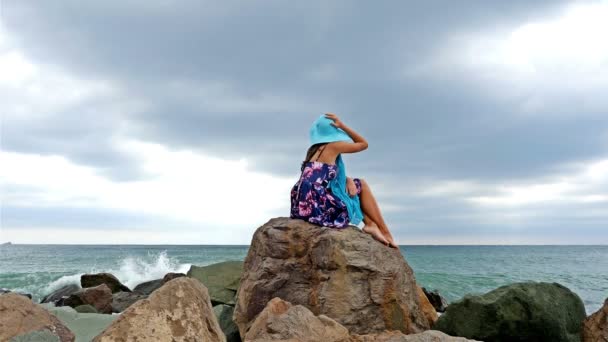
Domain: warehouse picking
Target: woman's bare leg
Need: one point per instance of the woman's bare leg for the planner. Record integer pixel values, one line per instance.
(370, 207)
(372, 228)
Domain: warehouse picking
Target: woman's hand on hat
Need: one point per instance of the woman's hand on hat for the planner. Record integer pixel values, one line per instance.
(336, 120)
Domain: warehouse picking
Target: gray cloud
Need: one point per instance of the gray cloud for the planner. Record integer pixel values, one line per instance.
(246, 79)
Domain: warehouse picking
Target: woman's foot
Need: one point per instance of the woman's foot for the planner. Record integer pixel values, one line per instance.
(392, 242)
(375, 232)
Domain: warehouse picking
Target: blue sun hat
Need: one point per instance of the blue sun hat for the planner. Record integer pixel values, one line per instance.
(322, 131)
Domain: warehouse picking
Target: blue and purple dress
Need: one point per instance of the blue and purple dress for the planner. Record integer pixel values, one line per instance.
(312, 199)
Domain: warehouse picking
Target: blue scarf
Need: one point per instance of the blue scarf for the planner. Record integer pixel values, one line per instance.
(323, 132)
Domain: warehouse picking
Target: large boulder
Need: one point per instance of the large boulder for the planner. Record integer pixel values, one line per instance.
(92, 280)
(224, 313)
(21, 319)
(64, 291)
(517, 312)
(222, 280)
(99, 297)
(282, 321)
(178, 311)
(595, 327)
(342, 273)
(122, 300)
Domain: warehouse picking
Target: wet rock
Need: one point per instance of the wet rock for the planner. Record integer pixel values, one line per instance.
(178, 311)
(595, 327)
(341, 273)
(92, 280)
(437, 300)
(518, 312)
(122, 300)
(222, 280)
(100, 297)
(150, 286)
(64, 291)
(19, 316)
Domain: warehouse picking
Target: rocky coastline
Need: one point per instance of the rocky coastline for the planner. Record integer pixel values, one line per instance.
(299, 282)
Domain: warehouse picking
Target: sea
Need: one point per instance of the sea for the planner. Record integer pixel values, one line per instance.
(452, 270)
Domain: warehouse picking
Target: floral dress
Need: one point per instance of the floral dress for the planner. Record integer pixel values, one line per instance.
(312, 199)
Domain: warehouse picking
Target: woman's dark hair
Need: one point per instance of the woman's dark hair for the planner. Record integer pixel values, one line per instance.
(311, 152)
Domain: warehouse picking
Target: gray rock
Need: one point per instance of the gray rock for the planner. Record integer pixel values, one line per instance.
(92, 280)
(541, 312)
(122, 300)
(224, 313)
(222, 280)
(148, 287)
(64, 291)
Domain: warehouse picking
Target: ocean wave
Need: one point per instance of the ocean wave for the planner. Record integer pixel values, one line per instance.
(131, 272)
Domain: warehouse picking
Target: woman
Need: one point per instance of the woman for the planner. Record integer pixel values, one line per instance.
(324, 195)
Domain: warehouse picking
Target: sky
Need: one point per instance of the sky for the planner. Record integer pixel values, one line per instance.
(185, 122)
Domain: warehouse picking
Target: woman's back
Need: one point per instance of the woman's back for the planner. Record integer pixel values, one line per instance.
(312, 199)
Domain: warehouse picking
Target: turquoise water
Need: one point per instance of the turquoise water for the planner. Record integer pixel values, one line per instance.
(453, 270)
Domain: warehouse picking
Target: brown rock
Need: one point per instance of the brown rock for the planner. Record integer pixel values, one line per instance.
(20, 316)
(281, 321)
(427, 307)
(343, 274)
(100, 297)
(179, 311)
(397, 336)
(91, 280)
(595, 327)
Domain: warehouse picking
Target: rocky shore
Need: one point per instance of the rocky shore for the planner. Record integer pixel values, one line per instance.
(299, 282)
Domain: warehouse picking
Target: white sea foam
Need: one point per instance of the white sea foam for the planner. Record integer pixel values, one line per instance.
(135, 271)
(63, 281)
(131, 272)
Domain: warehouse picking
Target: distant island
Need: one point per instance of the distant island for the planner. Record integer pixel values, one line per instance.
(6, 244)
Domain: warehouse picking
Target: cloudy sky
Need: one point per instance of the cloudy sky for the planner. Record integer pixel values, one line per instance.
(186, 121)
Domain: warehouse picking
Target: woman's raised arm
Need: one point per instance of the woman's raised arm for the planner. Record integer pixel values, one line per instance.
(359, 143)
